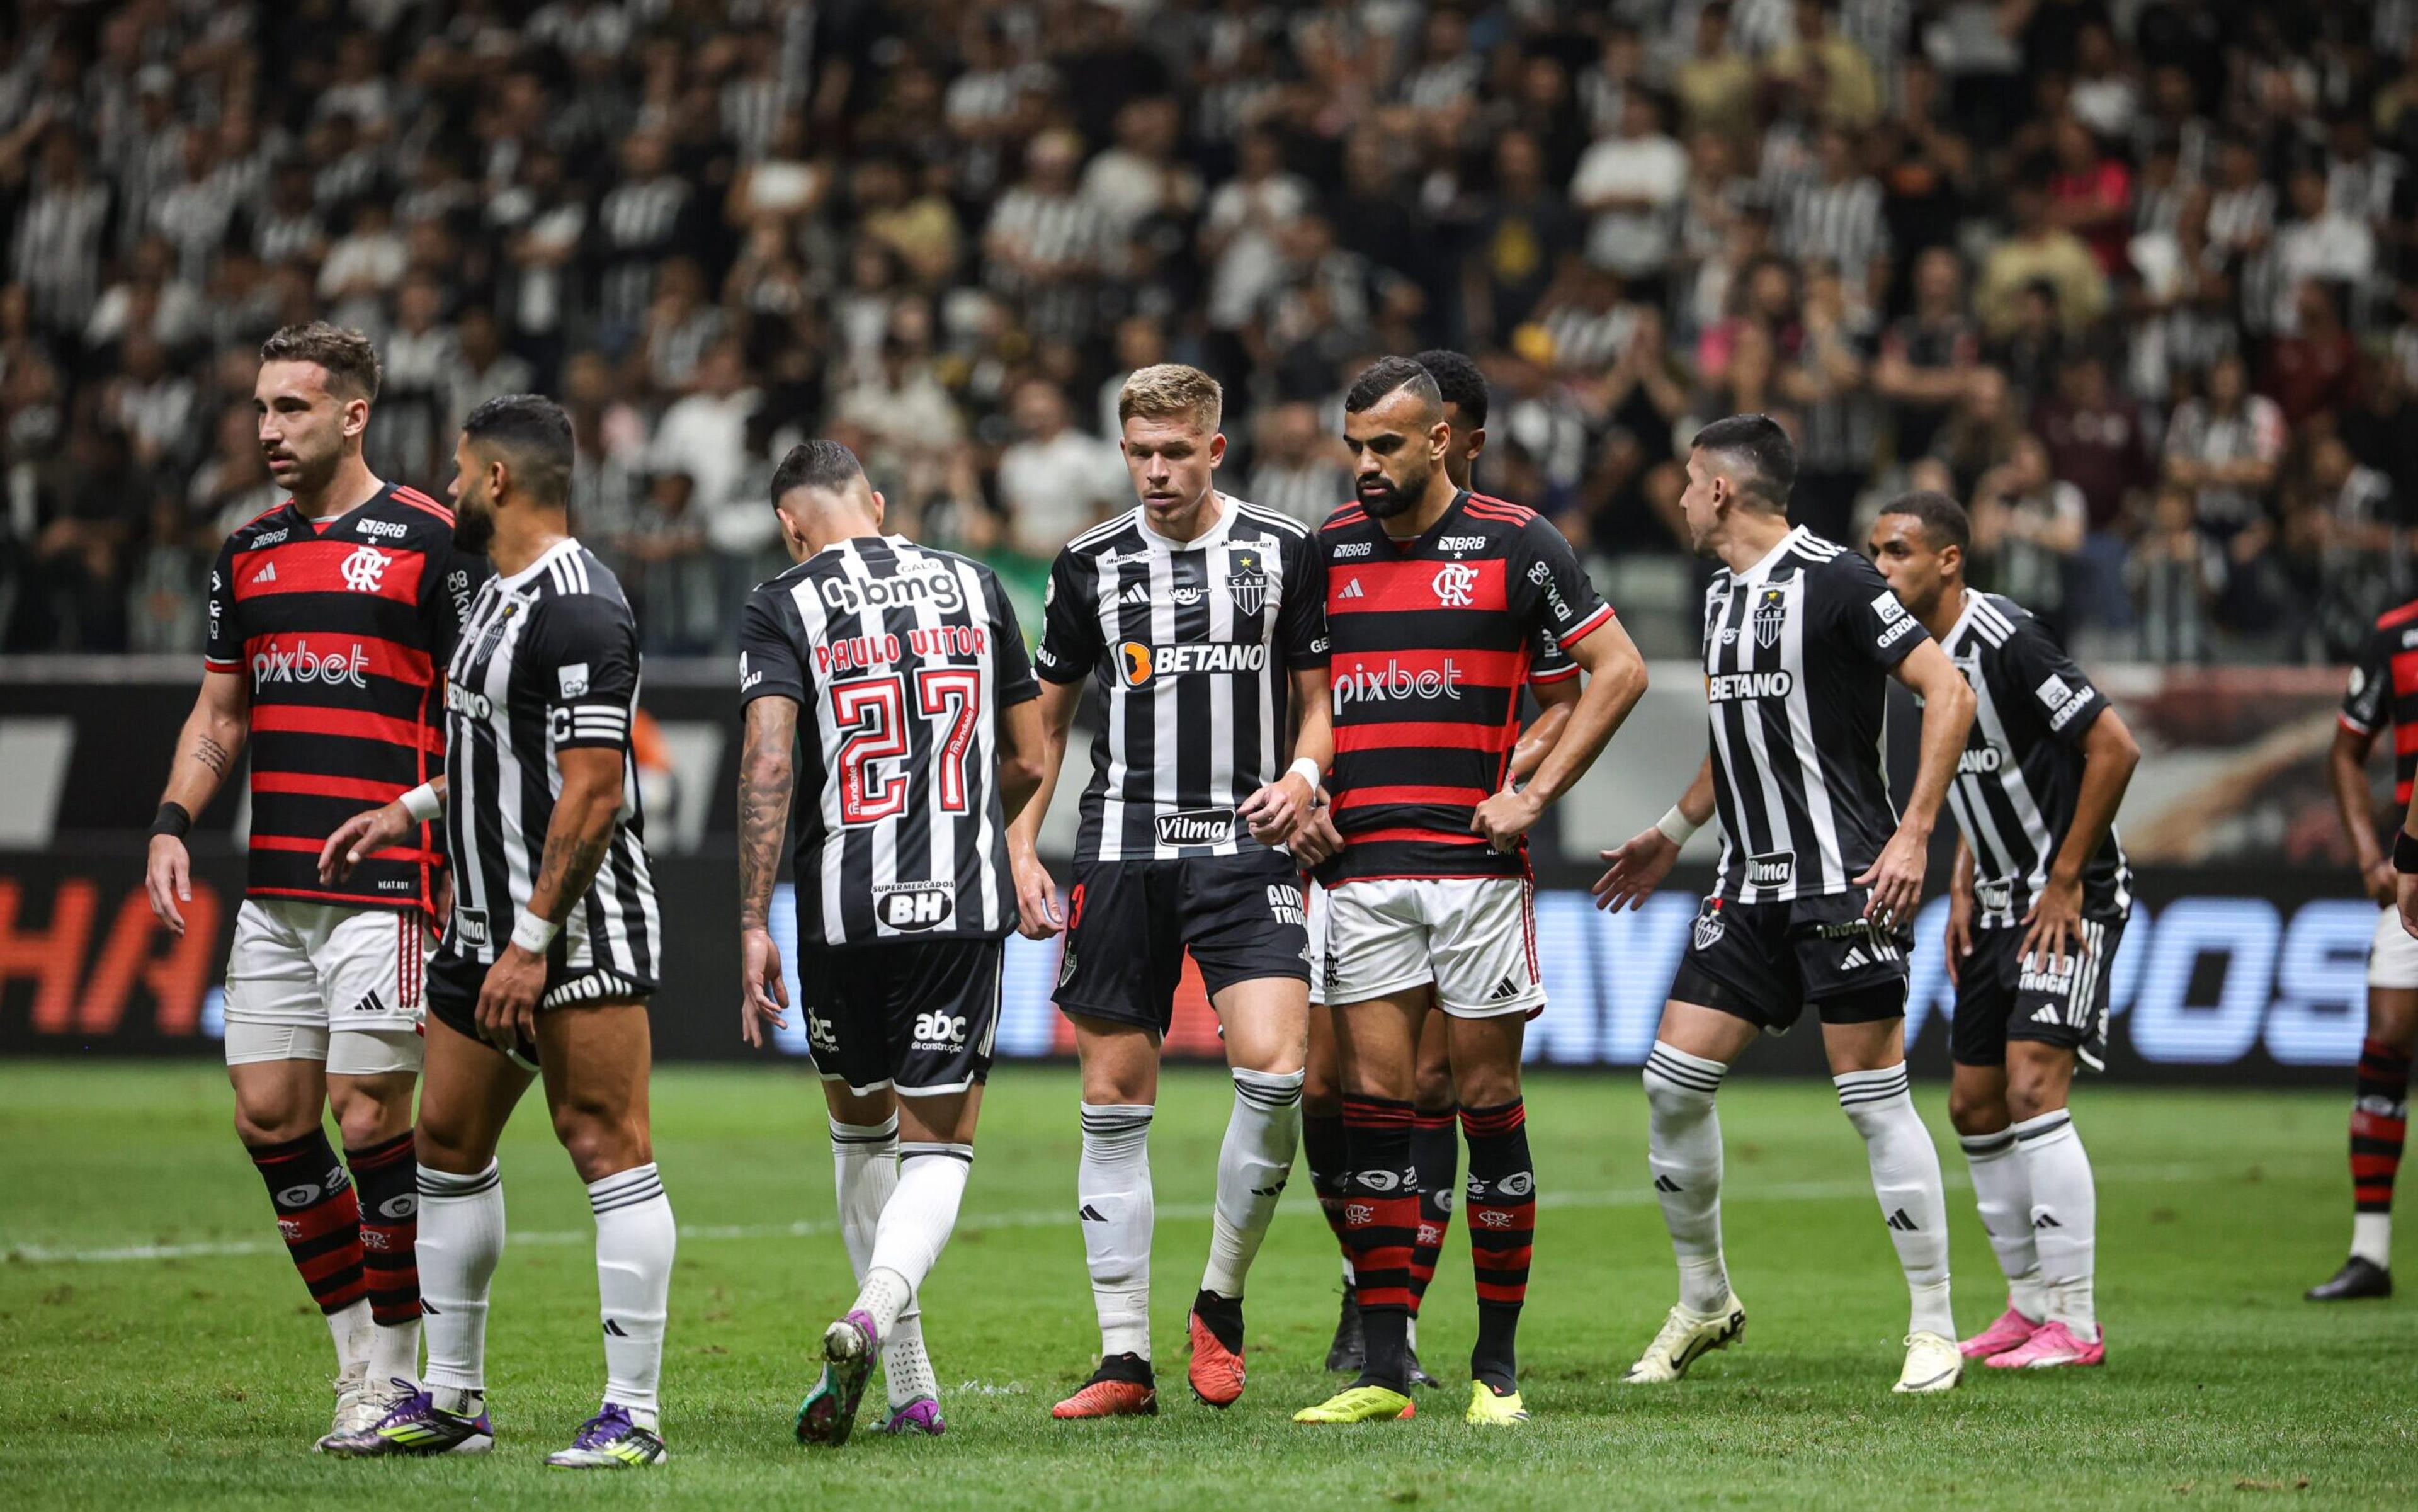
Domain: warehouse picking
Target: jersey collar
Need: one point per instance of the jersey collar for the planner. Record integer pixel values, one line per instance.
(1427, 537)
(1963, 617)
(1226, 512)
(1761, 570)
(563, 547)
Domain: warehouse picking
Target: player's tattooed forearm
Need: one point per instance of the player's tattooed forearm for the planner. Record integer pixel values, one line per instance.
(763, 806)
(210, 754)
(570, 864)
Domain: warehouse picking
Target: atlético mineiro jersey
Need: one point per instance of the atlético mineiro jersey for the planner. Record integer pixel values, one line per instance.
(1192, 645)
(548, 663)
(340, 628)
(1797, 651)
(2384, 690)
(1431, 642)
(901, 659)
(2019, 777)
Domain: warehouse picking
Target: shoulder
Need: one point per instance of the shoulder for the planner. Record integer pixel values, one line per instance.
(1828, 563)
(575, 586)
(1284, 526)
(1100, 541)
(267, 528)
(1345, 519)
(2393, 620)
(405, 502)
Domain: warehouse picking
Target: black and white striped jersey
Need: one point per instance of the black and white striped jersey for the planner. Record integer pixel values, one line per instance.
(547, 661)
(2020, 773)
(901, 659)
(1193, 644)
(1798, 650)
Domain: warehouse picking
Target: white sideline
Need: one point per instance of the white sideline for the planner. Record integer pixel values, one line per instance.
(1042, 1218)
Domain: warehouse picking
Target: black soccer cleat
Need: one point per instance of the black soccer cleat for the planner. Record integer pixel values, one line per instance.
(2359, 1278)
(1415, 1373)
(1350, 1350)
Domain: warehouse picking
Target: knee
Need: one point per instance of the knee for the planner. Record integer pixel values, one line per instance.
(1974, 1112)
(1434, 1091)
(441, 1145)
(600, 1141)
(1481, 1086)
(1669, 1099)
(268, 1118)
(2028, 1097)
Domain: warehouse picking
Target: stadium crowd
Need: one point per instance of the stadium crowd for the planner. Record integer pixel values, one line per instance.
(2127, 276)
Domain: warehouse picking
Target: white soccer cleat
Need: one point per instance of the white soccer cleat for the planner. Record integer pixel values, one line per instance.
(358, 1407)
(1933, 1364)
(1685, 1336)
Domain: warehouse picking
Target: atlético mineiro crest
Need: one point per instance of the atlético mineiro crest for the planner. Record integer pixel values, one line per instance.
(1708, 924)
(493, 636)
(1247, 580)
(1770, 614)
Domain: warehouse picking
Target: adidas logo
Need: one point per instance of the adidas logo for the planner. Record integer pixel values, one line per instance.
(425, 1310)
(1267, 1191)
(267, 573)
(1856, 957)
(615, 1329)
(1505, 989)
(1351, 590)
(2045, 1015)
(1091, 1214)
(1665, 1184)
(2046, 1221)
(1135, 594)
(371, 1003)
(1903, 1224)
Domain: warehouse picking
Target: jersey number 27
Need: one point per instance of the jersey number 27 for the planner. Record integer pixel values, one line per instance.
(869, 715)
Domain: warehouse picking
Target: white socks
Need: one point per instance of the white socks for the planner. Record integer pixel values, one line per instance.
(2002, 1190)
(1906, 1178)
(2371, 1238)
(1684, 1150)
(2064, 1213)
(394, 1352)
(1252, 1168)
(864, 1171)
(635, 1241)
(352, 1328)
(461, 1238)
(914, 1227)
(1113, 1199)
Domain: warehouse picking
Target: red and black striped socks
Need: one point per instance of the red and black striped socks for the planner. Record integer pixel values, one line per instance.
(1501, 1214)
(1435, 1154)
(321, 1221)
(1380, 1220)
(1323, 1151)
(2380, 1124)
(387, 1177)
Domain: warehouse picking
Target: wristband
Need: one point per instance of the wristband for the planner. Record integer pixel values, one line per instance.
(2405, 852)
(171, 820)
(1307, 771)
(533, 934)
(421, 804)
(1676, 827)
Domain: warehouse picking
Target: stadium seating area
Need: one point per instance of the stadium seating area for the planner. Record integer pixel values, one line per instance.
(2125, 275)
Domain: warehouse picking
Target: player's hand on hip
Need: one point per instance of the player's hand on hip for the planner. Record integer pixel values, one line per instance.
(168, 876)
(364, 835)
(2382, 882)
(1504, 819)
(1960, 931)
(1036, 900)
(2052, 922)
(1896, 880)
(762, 993)
(1276, 810)
(444, 902)
(507, 998)
(1316, 840)
(1634, 870)
(2406, 892)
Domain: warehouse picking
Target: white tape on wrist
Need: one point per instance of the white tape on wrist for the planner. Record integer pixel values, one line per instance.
(1307, 771)
(1675, 826)
(422, 803)
(533, 934)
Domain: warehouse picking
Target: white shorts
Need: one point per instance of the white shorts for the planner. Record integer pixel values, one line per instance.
(1475, 937)
(2392, 955)
(322, 982)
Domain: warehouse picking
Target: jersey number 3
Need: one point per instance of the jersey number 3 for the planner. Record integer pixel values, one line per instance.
(869, 715)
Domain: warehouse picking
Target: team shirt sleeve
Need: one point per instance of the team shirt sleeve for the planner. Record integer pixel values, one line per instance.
(583, 654)
(222, 642)
(1301, 619)
(2371, 685)
(1550, 663)
(2065, 700)
(1854, 606)
(1070, 629)
(1012, 678)
(768, 655)
(1546, 586)
(446, 589)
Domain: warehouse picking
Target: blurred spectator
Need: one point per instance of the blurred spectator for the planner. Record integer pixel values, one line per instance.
(2027, 531)
(2226, 449)
(2039, 252)
(2095, 441)
(1055, 481)
(2177, 573)
(1925, 361)
(1631, 183)
(1299, 469)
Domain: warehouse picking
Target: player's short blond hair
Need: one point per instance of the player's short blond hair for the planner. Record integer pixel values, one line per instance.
(1171, 390)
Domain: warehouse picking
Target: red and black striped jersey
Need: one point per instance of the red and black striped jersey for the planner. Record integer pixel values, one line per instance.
(341, 629)
(1432, 641)
(2384, 690)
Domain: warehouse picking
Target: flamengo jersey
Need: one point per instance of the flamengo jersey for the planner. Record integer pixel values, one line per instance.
(1434, 640)
(2020, 773)
(901, 658)
(339, 629)
(548, 662)
(2384, 690)
(1192, 644)
(1797, 649)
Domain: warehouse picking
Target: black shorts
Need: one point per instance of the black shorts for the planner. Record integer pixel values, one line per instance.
(1128, 924)
(1998, 999)
(454, 980)
(916, 1016)
(1764, 962)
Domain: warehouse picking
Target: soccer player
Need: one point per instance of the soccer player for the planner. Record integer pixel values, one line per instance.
(2380, 693)
(1435, 1142)
(2037, 904)
(327, 619)
(1819, 878)
(1434, 600)
(554, 948)
(907, 665)
(1201, 619)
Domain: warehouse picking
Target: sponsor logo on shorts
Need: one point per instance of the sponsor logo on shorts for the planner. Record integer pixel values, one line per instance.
(940, 1031)
(914, 906)
(1284, 905)
(1773, 868)
(2052, 977)
(1196, 827)
(821, 1038)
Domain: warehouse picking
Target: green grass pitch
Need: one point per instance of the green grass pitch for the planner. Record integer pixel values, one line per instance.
(196, 1376)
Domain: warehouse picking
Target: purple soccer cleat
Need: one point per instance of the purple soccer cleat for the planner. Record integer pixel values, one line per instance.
(417, 1427)
(851, 1346)
(920, 1417)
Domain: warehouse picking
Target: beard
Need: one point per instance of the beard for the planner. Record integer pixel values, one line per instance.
(1392, 498)
(473, 529)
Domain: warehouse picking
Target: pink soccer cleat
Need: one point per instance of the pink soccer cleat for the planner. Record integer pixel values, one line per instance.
(2010, 1332)
(2051, 1346)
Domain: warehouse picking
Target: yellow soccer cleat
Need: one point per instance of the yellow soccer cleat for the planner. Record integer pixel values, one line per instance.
(1933, 1364)
(1489, 1407)
(1358, 1404)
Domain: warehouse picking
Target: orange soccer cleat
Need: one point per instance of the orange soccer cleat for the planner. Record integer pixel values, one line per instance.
(1123, 1386)
(1216, 1369)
